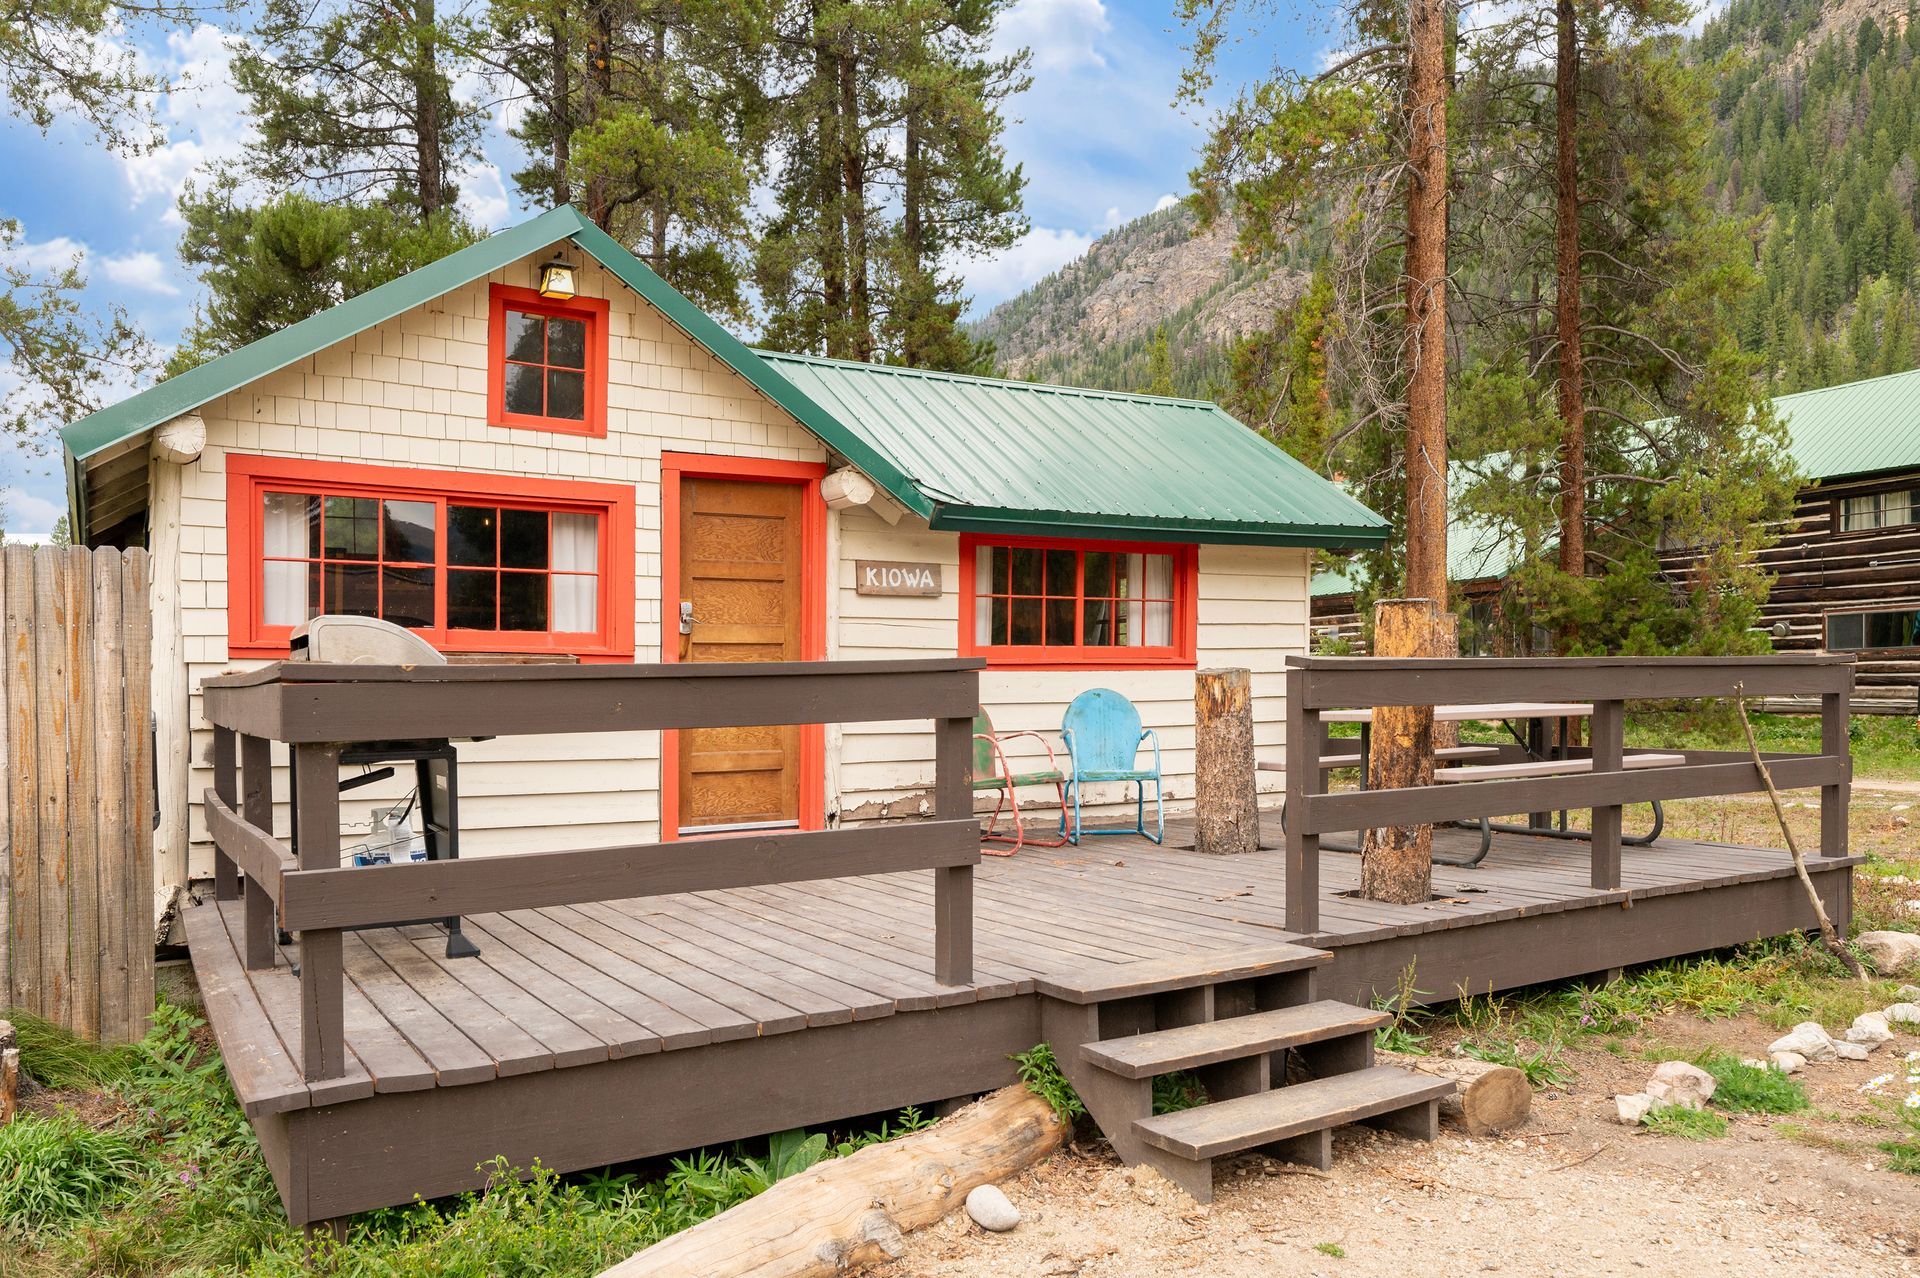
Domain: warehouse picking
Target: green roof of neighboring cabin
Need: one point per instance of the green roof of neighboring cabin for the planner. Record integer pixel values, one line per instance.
(961, 452)
(1860, 428)
(1012, 457)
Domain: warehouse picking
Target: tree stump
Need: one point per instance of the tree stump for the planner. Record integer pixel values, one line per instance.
(1396, 862)
(9, 1072)
(1226, 809)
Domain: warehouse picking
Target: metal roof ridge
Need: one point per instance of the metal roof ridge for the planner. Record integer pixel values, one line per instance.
(1841, 386)
(1011, 383)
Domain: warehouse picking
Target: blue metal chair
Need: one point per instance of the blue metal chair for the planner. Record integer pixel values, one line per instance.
(1103, 735)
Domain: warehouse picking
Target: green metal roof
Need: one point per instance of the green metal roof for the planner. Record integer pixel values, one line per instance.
(1010, 457)
(1476, 550)
(1860, 428)
(961, 452)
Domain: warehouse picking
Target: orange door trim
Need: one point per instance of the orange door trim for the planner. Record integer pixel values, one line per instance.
(674, 467)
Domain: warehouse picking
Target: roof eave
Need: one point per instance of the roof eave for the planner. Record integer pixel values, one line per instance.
(1053, 523)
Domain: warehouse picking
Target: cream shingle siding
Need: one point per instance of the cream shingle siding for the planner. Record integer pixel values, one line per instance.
(412, 392)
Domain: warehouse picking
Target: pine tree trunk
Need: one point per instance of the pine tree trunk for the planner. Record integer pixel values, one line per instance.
(560, 111)
(832, 226)
(429, 164)
(853, 172)
(1426, 439)
(659, 211)
(599, 91)
(1396, 862)
(914, 233)
(1567, 291)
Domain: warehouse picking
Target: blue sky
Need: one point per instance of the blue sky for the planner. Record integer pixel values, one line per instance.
(1097, 134)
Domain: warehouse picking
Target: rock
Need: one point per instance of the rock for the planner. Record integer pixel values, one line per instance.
(1789, 1062)
(1807, 1039)
(1633, 1110)
(991, 1209)
(1910, 993)
(1870, 1030)
(1752, 1062)
(1680, 1083)
(1892, 953)
(1903, 1013)
(1850, 1051)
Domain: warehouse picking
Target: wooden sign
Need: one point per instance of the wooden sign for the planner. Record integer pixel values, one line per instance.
(882, 577)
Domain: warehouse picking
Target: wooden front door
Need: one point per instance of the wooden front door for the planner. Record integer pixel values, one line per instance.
(740, 582)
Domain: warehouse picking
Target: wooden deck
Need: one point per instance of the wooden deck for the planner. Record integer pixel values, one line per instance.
(754, 1009)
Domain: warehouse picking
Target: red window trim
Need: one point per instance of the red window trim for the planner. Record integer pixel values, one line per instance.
(1186, 596)
(593, 310)
(249, 478)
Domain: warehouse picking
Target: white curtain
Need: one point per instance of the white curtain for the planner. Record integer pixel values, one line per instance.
(1149, 588)
(575, 550)
(284, 534)
(983, 602)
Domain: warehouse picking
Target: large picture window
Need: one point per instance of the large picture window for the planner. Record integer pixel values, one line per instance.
(547, 362)
(473, 563)
(1093, 605)
(1889, 628)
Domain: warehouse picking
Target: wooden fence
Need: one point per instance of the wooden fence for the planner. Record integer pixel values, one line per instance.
(76, 842)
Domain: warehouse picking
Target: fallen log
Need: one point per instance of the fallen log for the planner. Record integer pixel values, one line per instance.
(839, 1216)
(1487, 1097)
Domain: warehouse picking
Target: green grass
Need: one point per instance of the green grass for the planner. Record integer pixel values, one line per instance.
(58, 1169)
(1687, 1124)
(1884, 746)
(1748, 1089)
(1331, 1249)
(57, 1058)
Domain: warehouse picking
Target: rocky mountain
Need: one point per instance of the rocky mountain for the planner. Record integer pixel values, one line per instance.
(1094, 321)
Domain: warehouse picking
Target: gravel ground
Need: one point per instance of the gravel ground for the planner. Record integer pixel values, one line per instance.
(1572, 1192)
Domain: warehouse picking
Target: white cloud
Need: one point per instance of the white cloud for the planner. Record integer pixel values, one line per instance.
(483, 196)
(42, 257)
(1165, 202)
(23, 515)
(204, 114)
(1112, 219)
(1061, 33)
(1037, 254)
(142, 270)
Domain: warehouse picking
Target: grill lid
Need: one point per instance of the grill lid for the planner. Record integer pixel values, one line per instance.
(362, 641)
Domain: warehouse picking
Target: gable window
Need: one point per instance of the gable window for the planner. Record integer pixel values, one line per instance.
(1087, 604)
(1858, 631)
(1879, 510)
(547, 362)
(472, 563)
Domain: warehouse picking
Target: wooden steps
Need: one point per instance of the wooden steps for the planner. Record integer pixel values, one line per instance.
(1236, 1037)
(1281, 1069)
(1321, 1104)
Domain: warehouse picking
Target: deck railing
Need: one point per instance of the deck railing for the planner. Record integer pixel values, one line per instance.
(1319, 684)
(317, 709)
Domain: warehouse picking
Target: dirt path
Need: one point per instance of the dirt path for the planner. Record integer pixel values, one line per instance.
(1573, 1193)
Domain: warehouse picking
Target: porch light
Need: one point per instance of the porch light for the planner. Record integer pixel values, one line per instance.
(556, 279)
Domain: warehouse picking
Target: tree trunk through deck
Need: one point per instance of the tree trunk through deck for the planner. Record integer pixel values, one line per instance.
(1566, 304)
(1425, 357)
(848, 1213)
(1226, 814)
(1396, 862)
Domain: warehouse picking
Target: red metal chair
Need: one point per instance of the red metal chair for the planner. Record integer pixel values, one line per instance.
(991, 771)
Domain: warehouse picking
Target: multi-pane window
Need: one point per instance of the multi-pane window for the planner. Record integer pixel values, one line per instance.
(1889, 628)
(1062, 602)
(1880, 510)
(548, 368)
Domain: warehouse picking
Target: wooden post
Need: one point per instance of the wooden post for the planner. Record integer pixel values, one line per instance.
(171, 693)
(316, 818)
(1608, 728)
(1303, 778)
(256, 779)
(953, 885)
(1396, 862)
(1226, 813)
(226, 784)
(1834, 712)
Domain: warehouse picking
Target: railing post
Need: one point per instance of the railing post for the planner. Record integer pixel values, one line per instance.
(1609, 751)
(256, 779)
(1834, 722)
(1303, 778)
(226, 872)
(316, 832)
(953, 885)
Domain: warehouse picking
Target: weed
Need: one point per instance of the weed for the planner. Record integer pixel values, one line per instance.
(1177, 1091)
(1042, 1074)
(1902, 1156)
(1688, 1124)
(1509, 1032)
(1541, 1065)
(1751, 1089)
(57, 1169)
(1331, 1249)
(1398, 1034)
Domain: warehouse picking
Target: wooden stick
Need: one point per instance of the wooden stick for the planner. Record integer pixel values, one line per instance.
(1827, 933)
(851, 1212)
(9, 1072)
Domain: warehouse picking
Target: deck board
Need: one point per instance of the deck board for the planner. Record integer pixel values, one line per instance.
(560, 987)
